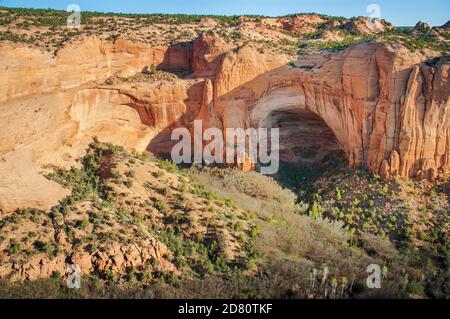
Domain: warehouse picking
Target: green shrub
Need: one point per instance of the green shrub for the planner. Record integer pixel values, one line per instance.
(81, 224)
(160, 206)
(158, 174)
(255, 231)
(338, 194)
(165, 191)
(128, 183)
(43, 247)
(332, 45)
(130, 174)
(56, 275)
(315, 211)
(14, 248)
(167, 165)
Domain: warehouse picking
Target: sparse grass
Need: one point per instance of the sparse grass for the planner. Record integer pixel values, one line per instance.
(286, 235)
(414, 40)
(273, 234)
(336, 45)
(275, 282)
(128, 183)
(160, 206)
(167, 165)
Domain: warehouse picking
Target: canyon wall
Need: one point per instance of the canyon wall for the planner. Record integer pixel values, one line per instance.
(387, 108)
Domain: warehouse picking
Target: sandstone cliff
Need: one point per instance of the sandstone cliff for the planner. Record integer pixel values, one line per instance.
(386, 107)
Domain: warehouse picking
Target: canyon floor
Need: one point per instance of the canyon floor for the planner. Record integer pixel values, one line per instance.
(363, 109)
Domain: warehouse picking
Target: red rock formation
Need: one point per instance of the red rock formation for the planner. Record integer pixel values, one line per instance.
(304, 23)
(117, 259)
(387, 108)
(367, 25)
(178, 56)
(311, 23)
(208, 51)
(365, 97)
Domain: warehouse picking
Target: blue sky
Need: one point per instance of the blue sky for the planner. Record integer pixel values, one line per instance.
(399, 12)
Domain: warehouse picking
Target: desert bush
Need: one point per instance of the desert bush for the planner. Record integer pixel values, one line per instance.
(167, 165)
(43, 247)
(14, 248)
(160, 205)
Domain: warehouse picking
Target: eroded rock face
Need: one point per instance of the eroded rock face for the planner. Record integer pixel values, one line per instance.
(120, 258)
(302, 23)
(367, 25)
(117, 259)
(208, 51)
(422, 26)
(365, 95)
(386, 108)
(304, 137)
(311, 23)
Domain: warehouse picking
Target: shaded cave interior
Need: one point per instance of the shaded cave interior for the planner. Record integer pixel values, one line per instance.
(304, 136)
(308, 147)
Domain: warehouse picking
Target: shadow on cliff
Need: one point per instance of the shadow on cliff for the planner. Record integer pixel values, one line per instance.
(178, 59)
(243, 98)
(161, 145)
(291, 175)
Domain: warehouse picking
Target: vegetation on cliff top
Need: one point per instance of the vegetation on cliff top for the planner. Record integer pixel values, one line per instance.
(47, 29)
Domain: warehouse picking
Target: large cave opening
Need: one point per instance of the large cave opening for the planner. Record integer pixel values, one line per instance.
(308, 147)
(304, 136)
